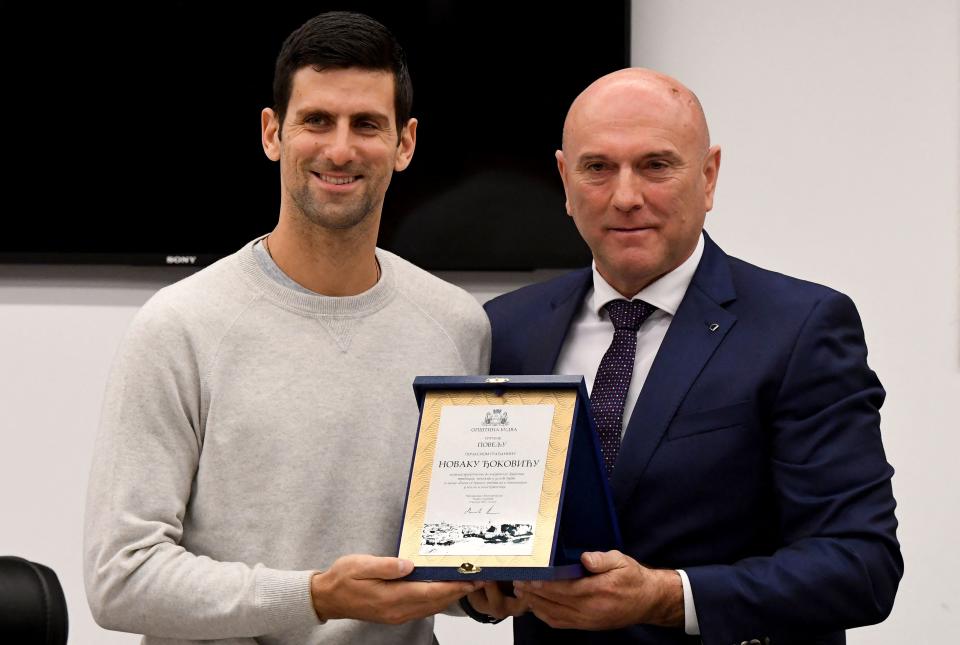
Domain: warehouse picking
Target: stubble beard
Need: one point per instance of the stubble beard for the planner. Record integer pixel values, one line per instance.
(338, 217)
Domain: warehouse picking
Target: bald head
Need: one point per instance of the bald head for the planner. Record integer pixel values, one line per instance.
(637, 88)
(639, 175)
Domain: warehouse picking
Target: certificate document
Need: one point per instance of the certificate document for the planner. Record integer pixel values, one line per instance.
(486, 480)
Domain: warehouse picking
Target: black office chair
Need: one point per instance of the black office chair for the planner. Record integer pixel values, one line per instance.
(32, 607)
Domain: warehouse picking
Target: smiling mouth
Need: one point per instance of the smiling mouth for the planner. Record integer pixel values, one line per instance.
(337, 180)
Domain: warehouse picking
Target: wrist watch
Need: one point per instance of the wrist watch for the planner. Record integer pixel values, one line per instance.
(478, 616)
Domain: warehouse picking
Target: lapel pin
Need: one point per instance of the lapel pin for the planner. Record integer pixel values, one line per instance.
(713, 326)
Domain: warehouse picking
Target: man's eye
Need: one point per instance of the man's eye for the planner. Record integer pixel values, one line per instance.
(315, 120)
(658, 165)
(595, 167)
(367, 125)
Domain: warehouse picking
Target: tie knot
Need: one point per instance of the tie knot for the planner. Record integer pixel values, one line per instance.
(628, 314)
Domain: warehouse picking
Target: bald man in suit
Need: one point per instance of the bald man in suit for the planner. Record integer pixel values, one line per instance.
(750, 482)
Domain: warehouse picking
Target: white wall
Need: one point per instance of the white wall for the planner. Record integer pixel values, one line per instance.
(839, 124)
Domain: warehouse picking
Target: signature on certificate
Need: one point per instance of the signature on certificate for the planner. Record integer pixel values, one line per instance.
(479, 510)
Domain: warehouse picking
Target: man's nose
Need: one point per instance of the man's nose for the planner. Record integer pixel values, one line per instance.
(340, 148)
(628, 191)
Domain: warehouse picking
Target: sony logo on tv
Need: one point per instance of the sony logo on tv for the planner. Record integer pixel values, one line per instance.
(181, 259)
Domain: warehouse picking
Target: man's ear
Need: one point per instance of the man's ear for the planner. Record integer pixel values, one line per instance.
(711, 170)
(406, 145)
(562, 167)
(270, 134)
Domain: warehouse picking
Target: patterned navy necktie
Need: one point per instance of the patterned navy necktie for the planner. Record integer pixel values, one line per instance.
(614, 374)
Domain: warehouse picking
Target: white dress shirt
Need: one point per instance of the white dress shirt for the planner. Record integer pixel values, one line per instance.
(591, 333)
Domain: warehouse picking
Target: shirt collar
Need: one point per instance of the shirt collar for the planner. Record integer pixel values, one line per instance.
(664, 293)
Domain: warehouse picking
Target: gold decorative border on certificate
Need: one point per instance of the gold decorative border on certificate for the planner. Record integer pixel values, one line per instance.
(563, 402)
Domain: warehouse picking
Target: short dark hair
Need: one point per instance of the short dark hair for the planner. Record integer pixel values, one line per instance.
(340, 40)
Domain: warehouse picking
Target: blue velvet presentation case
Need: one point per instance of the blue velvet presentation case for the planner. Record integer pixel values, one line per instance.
(585, 519)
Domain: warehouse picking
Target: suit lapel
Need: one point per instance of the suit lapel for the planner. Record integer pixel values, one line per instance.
(688, 345)
(549, 330)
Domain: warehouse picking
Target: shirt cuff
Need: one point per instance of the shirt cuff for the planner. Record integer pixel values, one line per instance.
(690, 623)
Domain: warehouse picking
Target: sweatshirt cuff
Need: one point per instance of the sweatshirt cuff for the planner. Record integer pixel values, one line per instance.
(284, 599)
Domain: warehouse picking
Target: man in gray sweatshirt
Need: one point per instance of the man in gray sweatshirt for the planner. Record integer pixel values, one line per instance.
(248, 479)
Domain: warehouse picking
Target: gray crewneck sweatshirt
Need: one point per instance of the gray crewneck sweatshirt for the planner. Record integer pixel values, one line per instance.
(251, 435)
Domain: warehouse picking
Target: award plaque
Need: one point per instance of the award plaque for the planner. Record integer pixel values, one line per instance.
(507, 481)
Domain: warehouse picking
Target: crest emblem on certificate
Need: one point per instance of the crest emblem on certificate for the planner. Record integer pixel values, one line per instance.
(496, 417)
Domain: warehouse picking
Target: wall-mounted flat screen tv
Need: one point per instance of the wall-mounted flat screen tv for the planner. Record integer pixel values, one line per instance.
(132, 130)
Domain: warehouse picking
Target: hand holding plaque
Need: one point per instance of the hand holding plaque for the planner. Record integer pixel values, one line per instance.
(366, 587)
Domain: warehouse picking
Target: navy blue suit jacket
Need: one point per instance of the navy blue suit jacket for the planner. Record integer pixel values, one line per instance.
(752, 460)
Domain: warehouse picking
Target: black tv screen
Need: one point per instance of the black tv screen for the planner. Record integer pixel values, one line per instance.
(133, 130)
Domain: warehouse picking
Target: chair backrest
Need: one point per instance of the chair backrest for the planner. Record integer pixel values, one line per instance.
(32, 606)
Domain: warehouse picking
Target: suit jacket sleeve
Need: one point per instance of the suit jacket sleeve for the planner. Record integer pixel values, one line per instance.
(840, 563)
